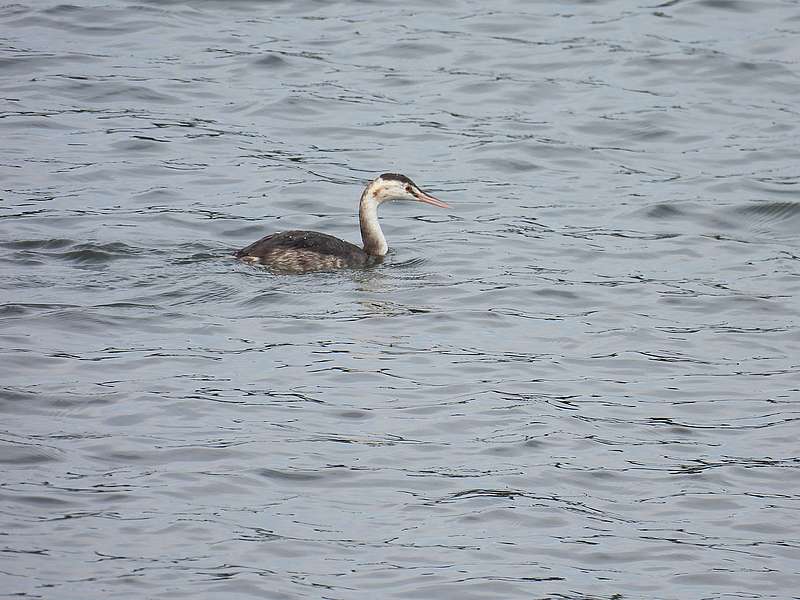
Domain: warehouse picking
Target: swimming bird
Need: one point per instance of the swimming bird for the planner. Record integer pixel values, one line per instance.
(307, 251)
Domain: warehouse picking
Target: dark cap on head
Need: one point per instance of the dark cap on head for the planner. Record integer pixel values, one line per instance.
(398, 177)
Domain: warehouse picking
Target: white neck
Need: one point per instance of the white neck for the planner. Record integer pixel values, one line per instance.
(371, 234)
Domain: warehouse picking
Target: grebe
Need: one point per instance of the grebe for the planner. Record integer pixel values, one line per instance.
(307, 251)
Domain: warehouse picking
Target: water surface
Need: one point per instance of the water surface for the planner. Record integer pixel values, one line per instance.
(581, 381)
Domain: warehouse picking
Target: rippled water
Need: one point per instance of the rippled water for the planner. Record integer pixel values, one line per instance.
(582, 381)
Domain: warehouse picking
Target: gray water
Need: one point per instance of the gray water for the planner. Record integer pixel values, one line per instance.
(581, 381)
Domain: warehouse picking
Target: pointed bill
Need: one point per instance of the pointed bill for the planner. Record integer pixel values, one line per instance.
(428, 199)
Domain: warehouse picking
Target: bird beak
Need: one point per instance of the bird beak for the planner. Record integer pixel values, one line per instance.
(428, 199)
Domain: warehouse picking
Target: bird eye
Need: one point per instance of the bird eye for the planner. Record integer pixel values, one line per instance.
(408, 189)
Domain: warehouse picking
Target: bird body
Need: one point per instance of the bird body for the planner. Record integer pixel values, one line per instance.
(307, 251)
